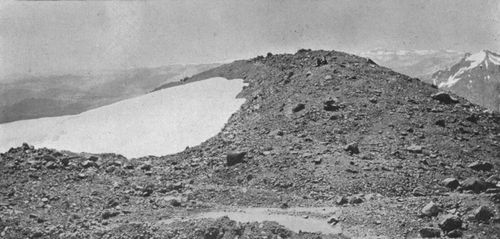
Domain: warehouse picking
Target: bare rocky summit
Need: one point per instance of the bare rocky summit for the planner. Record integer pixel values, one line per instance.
(319, 129)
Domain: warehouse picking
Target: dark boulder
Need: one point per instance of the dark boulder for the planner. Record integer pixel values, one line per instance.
(481, 166)
(444, 98)
(450, 222)
(451, 183)
(431, 209)
(483, 213)
(455, 233)
(352, 148)
(430, 232)
(298, 107)
(234, 158)
(474, 184)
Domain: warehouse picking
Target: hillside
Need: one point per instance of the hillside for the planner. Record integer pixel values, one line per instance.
(382, 153)
(475, 77)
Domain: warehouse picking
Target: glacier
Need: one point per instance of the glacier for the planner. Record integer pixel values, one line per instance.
(159, 123)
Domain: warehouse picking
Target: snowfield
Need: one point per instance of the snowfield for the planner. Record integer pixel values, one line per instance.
(159, 123)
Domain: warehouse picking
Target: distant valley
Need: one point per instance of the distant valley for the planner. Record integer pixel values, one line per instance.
(30, 97)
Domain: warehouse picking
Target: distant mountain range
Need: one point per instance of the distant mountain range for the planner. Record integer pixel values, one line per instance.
(30, 97)
(475, 77)
(472, 76)
(415, 63)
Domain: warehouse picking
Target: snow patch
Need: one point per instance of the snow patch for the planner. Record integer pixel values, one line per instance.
(159, 123)
(474, 59)
(450, 82)
(495, 59)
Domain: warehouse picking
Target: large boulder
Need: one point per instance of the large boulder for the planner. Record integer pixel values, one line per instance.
(450, 222)
(298, 107)
(444, 98)
(431, 209)
(474, 184)
(430, 232)
(414, 149)
(234, 158)
(451, 183)
(483, 213)
(352, 148)
(481, 166)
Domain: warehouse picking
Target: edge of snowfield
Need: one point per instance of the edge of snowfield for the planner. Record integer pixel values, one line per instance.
(162, 122)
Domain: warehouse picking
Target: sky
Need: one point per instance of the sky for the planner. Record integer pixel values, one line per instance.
(73, 36)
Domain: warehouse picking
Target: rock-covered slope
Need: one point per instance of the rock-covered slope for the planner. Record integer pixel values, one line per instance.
(475, 77)
(318, 128)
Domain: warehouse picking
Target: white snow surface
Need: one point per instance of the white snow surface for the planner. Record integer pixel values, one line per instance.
(495, 59)
(159, 123)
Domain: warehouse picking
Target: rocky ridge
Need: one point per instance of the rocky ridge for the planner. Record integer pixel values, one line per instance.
(318, 129)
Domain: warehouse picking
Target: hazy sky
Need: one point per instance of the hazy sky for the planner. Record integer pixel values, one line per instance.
(49, 37)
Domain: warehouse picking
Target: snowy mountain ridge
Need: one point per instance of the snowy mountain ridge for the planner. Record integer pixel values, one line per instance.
(484, 58)
(475, 77)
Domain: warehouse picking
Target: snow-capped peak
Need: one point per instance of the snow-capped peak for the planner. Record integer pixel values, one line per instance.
(484, 58)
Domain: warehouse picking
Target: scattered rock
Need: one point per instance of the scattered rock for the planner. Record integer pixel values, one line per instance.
(414, 149)
(450, 222)
(234, 158)
(355, 199)
(93, 158)
(37, 234)
(474, 184)
(444, 98)
(341, 200)
(419, 192)
(431, 209)
(175, 203)
(321, 61)
(481, 166)
(352, 148)
(128, 166)
(51, 165)
(146, 166)
(483, 213)
(333, 220)
(441, 123)
(65, 161)
(331, 105)
(88, 164)
(317, 160)
(284, 205)
(472, 118)
(276, 132)
(109, 214)
(49, 158)
(298, 107)
(430, 232)
(451, 183)
(493, 179)
(455, 233)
